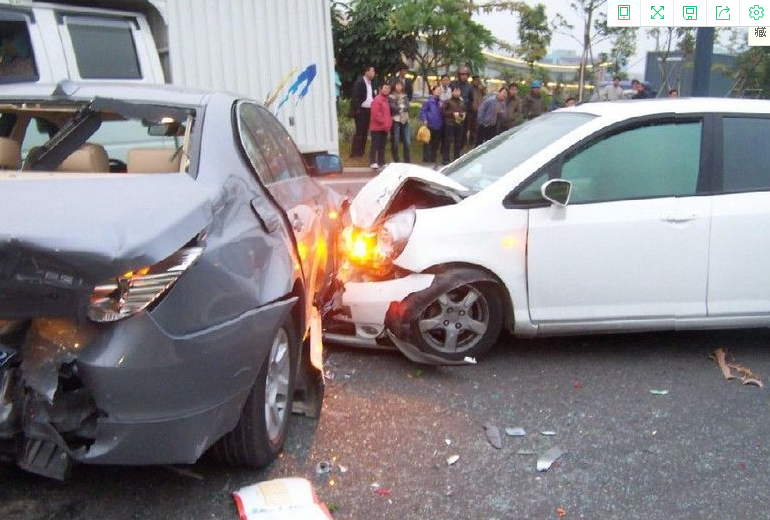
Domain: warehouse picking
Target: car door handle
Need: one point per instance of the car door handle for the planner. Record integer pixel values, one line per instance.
(677, 218)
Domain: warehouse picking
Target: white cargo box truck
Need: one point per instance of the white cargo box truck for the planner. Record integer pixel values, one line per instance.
(276, 51)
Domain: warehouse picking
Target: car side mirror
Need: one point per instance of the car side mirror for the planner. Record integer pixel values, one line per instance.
(557, 191)
(327, 164)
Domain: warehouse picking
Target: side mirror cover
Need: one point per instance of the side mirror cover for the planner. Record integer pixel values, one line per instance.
(557, 191)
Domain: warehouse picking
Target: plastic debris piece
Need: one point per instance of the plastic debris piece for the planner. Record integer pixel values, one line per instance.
(747, 377)
(659, 392)
(451, 460)
(548, 433)
(382, 492)
(526, 452)
(560, 512)
(493, 435)
(546, 460)
(323, 468)
(518, 431)
(470, 360)
(448, 442)
(374, 485)
(342, 468)
(280, 499)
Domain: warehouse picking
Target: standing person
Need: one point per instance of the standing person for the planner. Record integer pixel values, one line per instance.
(479, 93)
(360, 110)
(430, 115)
(570, 102)
(613, 91)
(446, 89)
(453, 113)
(408, 89)
(490, 111)
(399, 110)
(673, 93)
(466, 92)
(379, 126)
(512, 115)
(533, 104)
(641, 93)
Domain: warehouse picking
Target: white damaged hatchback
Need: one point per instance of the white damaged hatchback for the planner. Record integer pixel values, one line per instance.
(629, 216)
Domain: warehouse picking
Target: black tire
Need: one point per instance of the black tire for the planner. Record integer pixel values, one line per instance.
(471, 341)
(250, 443)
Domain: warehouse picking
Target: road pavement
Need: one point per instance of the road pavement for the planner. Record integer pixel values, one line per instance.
(698, 452)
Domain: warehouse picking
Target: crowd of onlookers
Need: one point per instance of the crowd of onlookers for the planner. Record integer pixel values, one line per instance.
(457, 114)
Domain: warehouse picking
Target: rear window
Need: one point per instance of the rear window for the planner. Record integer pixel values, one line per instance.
(104, 49)
(17, 61)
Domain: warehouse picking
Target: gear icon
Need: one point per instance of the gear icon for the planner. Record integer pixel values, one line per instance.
(757, 12)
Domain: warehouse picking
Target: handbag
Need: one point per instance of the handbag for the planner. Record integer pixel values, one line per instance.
(423, 134)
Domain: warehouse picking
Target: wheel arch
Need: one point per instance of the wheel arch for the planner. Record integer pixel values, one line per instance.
(505, 294)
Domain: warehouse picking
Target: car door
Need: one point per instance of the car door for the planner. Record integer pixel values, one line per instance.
(740, 240)
(285, 176)
(633, 241)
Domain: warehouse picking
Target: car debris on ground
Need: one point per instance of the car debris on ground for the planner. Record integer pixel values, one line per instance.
(547, 459)
(280, 499)
(452, 460)
(729, 369)
(517, 431)
(658, 392)
(493, 435)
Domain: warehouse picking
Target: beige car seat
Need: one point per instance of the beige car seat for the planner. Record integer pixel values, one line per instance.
(10, 154)
(89, 158)
(153, 160)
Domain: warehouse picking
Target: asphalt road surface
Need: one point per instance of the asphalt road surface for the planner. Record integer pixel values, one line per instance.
(698, 452)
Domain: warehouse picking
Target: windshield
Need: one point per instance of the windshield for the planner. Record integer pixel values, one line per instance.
(484, 165)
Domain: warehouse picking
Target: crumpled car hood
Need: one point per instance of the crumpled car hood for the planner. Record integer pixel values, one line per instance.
(62, 234)
(373, 200)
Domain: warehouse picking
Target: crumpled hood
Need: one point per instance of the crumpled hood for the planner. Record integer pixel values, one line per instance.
(63, 233)
(373, 200)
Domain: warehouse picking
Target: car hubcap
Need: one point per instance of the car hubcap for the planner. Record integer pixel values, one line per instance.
(277, 385)
(456, 321)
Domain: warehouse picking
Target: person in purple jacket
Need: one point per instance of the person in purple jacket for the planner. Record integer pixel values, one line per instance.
(430, 115)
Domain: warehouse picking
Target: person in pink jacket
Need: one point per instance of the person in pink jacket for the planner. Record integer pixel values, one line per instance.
(379, 126)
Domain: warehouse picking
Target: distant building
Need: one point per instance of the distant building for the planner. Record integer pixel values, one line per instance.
(674, 71)
(562, 57)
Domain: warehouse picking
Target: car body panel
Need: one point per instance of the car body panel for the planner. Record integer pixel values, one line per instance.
(553, 261)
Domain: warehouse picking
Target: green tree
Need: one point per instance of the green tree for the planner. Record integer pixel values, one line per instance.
(752, 73)
(534, 33)
(364, 35)
(444, 33)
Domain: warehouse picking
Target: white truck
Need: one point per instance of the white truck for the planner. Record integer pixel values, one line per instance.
(278, 52)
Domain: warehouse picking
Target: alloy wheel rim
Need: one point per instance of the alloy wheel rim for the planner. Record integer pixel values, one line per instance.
(277, 385)
(456, 321)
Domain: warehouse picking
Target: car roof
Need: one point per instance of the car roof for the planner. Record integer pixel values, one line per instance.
(83, 91)
(641, 107)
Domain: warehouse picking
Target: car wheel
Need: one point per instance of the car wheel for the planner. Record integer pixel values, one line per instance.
(263, 424)
(464, 321)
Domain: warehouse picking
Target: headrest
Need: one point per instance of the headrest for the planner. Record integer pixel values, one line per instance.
(10, 154)
(88, 158)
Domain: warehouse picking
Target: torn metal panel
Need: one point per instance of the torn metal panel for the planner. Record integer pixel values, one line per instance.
(52, 343)
(547, 459)
(418, 356)
(375, 199)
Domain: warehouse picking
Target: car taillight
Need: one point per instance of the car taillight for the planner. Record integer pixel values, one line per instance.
(136, 290)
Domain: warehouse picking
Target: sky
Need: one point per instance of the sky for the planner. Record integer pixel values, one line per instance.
(503, 26)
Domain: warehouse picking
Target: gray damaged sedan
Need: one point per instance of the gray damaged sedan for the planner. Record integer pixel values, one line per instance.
(161, 255)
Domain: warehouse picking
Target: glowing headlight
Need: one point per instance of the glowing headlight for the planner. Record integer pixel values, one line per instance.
(135, 290)
(377, 249)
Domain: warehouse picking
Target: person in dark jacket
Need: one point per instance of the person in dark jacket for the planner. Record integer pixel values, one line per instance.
(512, 115)
(453, 113)
(641, 92)
(380, 124)
(430, 115)
(533, 104)
(466, 93)
(360, 110)
(490, 111)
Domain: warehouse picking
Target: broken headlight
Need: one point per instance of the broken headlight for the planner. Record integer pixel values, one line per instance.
(376, 250)
(136, 290)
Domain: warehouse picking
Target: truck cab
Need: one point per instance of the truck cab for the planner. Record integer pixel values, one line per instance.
(49, 42)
